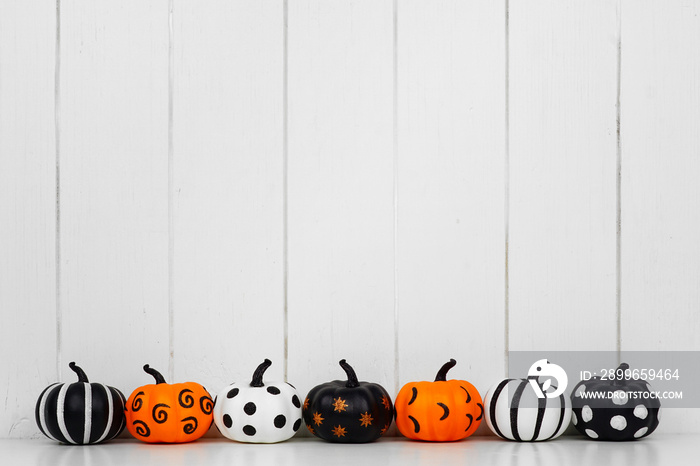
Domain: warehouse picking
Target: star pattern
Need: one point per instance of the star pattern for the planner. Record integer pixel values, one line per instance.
(318, 419)
(384, 429)
(306, 404)
(385, 402)
(311, 429)
(366, 419)
(339, 405)
(339, 431)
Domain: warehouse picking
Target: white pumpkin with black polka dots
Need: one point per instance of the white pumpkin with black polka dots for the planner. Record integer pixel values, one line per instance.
(630, 413)
(258, 412)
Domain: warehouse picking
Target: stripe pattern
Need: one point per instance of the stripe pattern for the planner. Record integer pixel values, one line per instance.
(514, 412)
(80, 413)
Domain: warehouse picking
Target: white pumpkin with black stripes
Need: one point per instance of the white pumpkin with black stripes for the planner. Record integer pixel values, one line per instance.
(80, 413)
(256, 412)
(513, 411)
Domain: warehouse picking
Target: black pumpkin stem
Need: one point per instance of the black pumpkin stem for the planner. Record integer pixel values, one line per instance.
(442, 373)
(258, 374)
(352, 378)
(81, 374)
(156, 375)
(620, 381)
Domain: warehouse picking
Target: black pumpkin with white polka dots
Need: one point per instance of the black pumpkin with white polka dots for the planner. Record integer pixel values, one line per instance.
(630, 413)
(256, 412)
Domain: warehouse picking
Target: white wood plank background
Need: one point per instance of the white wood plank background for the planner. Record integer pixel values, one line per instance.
(228, 241)
(398, 182)
(27, 212)
(114, 189)
(562, 175)
(340, 191)
(660, 108)
(450, 194)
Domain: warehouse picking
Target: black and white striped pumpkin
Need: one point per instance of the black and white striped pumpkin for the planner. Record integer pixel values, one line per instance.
(514, 412)
(80, 413)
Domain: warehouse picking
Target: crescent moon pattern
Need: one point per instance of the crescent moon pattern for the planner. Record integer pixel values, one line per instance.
(446, 413)
(416, 426)
(415, 394)
(469, 397)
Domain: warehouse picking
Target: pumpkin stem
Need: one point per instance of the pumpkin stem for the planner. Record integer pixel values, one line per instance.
(620, 381)
(258, 374)
(442, 373)
(81, 374)
(156, 375)
(352, 378)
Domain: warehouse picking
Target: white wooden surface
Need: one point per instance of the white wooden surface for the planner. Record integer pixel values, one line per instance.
(660, 191)
(227, 257)
(113, 159)
(450, 190)
(562, 175)
(398, 182)
(678, 450)
(340, 191)
(27, 211)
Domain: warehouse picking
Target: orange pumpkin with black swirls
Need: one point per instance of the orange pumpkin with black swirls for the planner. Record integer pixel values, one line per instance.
(168, 413)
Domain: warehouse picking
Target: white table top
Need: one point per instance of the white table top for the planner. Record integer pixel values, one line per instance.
(487, 450)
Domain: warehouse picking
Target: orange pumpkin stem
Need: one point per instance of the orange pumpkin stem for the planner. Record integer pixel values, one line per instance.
(258, 374)
(442, 373)
(156, 375)
(81, 374)
(352, 378)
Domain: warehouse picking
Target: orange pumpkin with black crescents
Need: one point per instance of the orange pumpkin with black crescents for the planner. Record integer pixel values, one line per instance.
(440, 411)
(168, 413)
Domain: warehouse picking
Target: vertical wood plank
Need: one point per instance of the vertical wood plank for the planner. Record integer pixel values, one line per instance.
(340, 191)
(451, 190)
(660, 133)
(563, 169)
(27, 211)
(228, 171)
(114, 188)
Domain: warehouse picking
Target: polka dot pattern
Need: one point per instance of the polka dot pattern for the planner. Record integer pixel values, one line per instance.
(249, 408)
(618, 422)
(640, 411)
(586, 413)
(614, 410)
(267, 414)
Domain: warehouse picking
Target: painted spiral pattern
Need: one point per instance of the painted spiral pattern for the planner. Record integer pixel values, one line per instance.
(160, 415)
(185, 398)
(206, 404)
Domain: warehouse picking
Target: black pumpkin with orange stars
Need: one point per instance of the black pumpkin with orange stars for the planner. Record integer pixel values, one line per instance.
(348, 411)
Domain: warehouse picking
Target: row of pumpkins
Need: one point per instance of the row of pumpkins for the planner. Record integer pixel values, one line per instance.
(346, 411)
